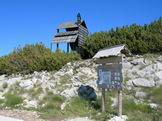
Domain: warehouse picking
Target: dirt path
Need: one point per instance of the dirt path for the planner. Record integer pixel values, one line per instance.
(21, 114)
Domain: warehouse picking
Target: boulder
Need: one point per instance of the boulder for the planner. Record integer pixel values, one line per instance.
(159, 66)
(87, 93)
(142, 82)
(13, 80)
(28, 84)
(159, 78)
(140, 94)
(69, 92)
(139, 61)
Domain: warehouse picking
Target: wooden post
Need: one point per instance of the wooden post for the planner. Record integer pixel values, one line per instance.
(67, 47)
(120, 103)
(51, 46)
(103, 100)
(57, 46)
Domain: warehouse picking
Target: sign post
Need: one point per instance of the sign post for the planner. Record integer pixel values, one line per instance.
(110, 77)
(119, 103)
(103, 100)
(110, 71)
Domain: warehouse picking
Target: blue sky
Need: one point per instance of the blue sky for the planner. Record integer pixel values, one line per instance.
(33, 21)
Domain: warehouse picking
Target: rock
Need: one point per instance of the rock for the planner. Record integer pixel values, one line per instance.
(1, 96)
(13, 80)
(140, 94)
(78, 119)
(31, 104)
(2, 77)
(127, 65)
(64, 104)
(87, 93)
(69, 92)
(114, 102)
(116, 118)
(159, 78)
(153, 105)
(142, 82)
(138, 61)
(159, 66)
(159, 59)
(28, 84)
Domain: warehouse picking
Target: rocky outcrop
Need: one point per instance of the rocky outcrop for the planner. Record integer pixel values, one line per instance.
(137, 71)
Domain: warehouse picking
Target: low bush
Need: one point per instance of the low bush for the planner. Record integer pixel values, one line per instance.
(34, 58)
(139, 39)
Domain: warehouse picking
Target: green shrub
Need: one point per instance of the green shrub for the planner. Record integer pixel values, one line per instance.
(139, 39)
(12, 100)
(34, 58)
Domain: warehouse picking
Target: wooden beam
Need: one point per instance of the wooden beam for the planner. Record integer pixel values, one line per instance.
(67, 47)
(57, 46)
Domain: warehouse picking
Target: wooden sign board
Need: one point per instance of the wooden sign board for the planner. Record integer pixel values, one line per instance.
(110, 76)
(111, 59)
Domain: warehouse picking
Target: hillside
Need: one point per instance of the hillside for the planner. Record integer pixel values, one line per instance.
(139, 39)
(54, 94)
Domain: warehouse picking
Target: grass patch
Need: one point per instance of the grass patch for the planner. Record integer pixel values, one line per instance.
(78, 107)
(35, 91)
(52, 106)
(156, 95)
(82, 108)
(140, 112)
(12, 100)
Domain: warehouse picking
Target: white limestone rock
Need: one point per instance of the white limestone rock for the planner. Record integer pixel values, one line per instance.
(69, 92)
(78, 119)
(142, 82)
(159, 78)
(27, 84)
(153, 105)
(13, 80)
(116, 118)
(114, 102)
(2, 77)
(138, 61)
(31, 103)
(140, 94)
